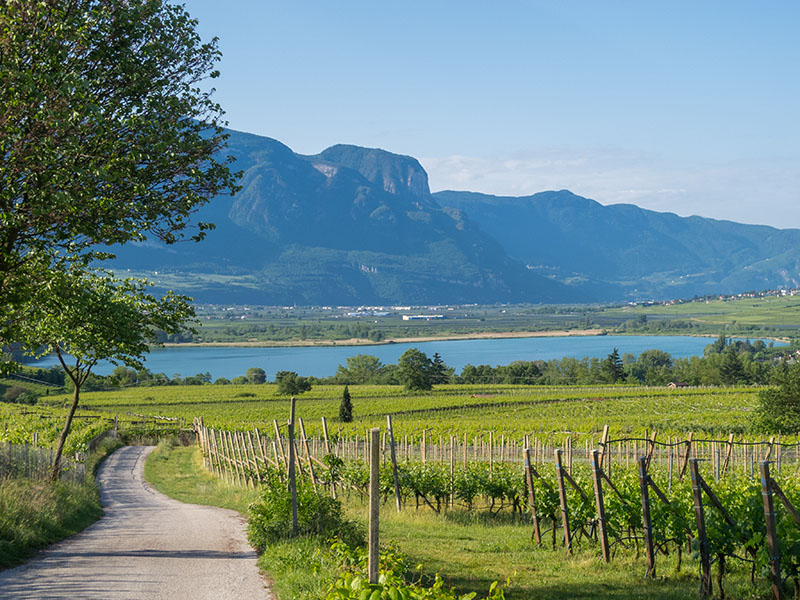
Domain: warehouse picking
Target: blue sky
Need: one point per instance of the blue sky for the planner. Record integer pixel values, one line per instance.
(688, 107)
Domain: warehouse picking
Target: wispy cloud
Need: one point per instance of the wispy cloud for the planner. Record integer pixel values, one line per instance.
(762, 192)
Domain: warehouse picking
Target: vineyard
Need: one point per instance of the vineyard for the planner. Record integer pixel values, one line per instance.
(462, 449)
(669, 503)
(510, 410)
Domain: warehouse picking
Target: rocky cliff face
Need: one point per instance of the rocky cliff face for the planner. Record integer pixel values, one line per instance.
(348, 225)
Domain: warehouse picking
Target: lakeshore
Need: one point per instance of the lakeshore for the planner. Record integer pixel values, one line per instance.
(487, 335)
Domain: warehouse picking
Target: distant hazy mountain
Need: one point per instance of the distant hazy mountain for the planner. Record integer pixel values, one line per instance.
(357, 225)
(350, 225)
(623, 251)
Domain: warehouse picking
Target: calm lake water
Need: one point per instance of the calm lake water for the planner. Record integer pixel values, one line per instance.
(323, 361)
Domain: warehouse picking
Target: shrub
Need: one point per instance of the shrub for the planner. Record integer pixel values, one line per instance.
(20, 395)
(270, 518)
(291, 384)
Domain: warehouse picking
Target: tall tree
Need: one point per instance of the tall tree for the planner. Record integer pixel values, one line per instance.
(90, 316)
(346, 407)
(361, 368)
(108, 133)
(414, 370)
(612, 367)
(440, 372)
(732, 370)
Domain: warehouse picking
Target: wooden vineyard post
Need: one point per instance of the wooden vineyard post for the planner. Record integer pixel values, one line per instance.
(325, 434)
(705, 563)
(255, 457)
(686, 456)
(397, 499)
(728, 452)
(221, 458)
(374, 503)
(772, 536)
(598, 499)
(262, 450)
(240, 478)
(669, 462)
(452, 471)
(423, 448)
(491, 454)
(328, 452)
(465, 449)
(279, 444)
(647, 525)
(562, 497)
(292, 474)
(537, 533)
(768, 455)
(651, 447)
(308, 455)
(603, 448)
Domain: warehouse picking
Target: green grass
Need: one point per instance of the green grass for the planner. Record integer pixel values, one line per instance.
(471, 550)
(178, 472)
(34, 514)
(779, 312)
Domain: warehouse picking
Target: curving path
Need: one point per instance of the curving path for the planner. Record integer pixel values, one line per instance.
(146, 546)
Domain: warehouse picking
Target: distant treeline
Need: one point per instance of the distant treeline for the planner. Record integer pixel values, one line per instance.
(725, 362)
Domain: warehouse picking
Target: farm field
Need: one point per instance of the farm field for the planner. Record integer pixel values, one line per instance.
(779, 312)
(508, 410)
(762, 316)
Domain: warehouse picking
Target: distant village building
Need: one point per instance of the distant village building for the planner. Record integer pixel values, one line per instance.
(677, 384)
(421, 317)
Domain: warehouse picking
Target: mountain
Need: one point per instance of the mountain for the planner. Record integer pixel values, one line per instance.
(622, 251)
(354, 225)
(350, 225)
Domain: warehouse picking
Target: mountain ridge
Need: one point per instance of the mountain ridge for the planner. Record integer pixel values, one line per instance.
(353, 225)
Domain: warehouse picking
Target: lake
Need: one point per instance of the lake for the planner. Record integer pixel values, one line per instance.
(323, 361)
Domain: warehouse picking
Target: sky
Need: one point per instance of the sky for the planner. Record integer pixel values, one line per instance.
(684, 107)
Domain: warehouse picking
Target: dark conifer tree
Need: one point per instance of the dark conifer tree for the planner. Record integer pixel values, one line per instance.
(346, 407)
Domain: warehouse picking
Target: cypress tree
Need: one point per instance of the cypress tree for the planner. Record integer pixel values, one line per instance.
(346, 407)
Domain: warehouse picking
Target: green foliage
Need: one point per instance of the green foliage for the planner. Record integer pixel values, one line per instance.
(612, 367)
(255, 375)
(346, 407)
(779, 407)
(291, 384)
(353, 583)
(415, 370)
(19, 395)
(270, 517)
(107, 135)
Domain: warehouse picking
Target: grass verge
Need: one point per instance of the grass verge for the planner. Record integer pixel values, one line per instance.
(34, 514)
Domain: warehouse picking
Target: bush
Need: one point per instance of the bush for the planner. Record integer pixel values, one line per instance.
(270, 518)
(20, 395)
(779, 407)
(291, 384)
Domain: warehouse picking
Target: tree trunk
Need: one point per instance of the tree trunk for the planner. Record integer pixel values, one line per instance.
(56, 469)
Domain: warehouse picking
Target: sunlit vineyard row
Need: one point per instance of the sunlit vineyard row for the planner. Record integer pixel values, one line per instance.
(504, 409)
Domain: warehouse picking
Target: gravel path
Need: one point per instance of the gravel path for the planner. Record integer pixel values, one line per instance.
(146, 546)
